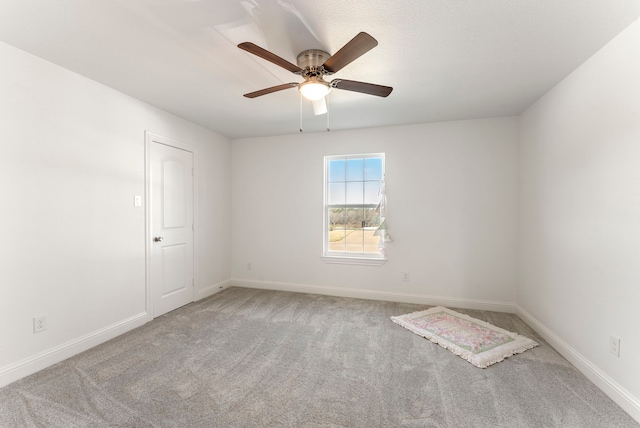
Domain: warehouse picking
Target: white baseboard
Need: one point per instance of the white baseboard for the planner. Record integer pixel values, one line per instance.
(212, 289)
(617, 393)
(28, 366)
(359, 293)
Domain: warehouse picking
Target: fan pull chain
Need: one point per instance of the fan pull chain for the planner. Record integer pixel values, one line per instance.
(300, 112)
(326, 100)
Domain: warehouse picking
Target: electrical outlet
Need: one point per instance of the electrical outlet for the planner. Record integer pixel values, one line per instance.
(614, 346)
(248, 265)
(405, 276)
(39, 323)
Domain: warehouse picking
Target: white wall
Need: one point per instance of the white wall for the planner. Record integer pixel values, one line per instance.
(451, 211)
(72, 244)
(579, 246)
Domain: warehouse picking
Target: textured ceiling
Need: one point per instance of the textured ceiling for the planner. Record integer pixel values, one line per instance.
(447, 60)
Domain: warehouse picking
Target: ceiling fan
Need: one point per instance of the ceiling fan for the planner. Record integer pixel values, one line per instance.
(314, 64)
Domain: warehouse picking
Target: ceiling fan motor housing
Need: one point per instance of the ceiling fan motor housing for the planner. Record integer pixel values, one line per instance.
(311, 62)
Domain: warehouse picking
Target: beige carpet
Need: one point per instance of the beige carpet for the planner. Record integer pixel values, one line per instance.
(255, 358)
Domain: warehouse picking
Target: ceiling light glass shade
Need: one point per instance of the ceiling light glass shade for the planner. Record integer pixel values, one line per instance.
(314, 89)
(319, 106)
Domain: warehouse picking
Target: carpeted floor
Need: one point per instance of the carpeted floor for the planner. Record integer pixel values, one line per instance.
(256, 358)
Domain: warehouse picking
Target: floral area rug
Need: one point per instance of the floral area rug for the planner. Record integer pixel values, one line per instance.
(478, 342)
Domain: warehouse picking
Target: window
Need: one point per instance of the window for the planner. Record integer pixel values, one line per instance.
(351, 214)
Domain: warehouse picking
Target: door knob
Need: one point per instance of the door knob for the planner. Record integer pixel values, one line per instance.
(157, 239)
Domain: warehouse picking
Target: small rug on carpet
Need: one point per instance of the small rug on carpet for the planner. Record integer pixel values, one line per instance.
(478, 342)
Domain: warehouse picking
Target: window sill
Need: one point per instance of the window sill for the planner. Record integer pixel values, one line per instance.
(363, 261)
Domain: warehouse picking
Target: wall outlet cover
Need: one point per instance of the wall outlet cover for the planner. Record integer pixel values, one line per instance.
(39, 323)
(614, 346)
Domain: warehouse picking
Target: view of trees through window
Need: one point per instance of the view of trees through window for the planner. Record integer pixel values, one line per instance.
(353, 218)
(352, 193)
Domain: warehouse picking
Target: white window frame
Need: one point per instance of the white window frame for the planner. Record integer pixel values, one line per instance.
(369, 259)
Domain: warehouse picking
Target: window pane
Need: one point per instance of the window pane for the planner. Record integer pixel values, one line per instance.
(373, 169)
(355, 169)
(336, 218)
(371, 217)
(355, 193)
(337, 239)
(336, 193)
(370, 241)
(353, 240)
(354, 218)
(371, 222)
(337, 170)
(356, 238)
(372, 192)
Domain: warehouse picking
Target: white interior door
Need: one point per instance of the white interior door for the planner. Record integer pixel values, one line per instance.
(171, 203)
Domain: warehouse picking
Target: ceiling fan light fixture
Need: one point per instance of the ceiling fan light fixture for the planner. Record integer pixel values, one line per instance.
(314, 89)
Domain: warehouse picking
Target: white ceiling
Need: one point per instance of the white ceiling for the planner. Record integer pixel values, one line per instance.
(446, 59)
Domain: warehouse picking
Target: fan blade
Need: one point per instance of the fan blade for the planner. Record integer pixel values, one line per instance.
(265, 54)
(358, 46)
(266, 91)
(365, 88)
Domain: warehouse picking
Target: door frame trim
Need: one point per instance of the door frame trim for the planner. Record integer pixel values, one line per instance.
(149, 139)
